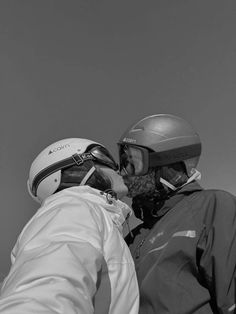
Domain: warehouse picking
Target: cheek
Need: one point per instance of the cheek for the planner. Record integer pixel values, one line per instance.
(121, 182)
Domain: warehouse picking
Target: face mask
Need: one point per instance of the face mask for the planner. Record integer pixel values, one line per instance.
(140, 185)
(117, 183)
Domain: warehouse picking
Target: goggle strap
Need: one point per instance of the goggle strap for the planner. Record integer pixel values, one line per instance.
(79, 159)
(75, 159)
(196, 176)
(174, 155)
(88, 175)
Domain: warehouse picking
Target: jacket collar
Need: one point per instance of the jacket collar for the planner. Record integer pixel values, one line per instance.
(190, 188)
(117, 209)
(150, 210)
(178, 196)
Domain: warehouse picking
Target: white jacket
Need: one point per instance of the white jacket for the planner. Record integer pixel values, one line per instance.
(71, 259)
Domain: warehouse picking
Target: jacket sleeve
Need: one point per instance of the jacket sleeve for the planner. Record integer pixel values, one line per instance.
(57, 269)
(218, 252)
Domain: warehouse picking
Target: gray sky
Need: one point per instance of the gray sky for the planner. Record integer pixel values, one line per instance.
(90, 68)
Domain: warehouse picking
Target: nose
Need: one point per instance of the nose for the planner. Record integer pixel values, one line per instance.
(123, 172)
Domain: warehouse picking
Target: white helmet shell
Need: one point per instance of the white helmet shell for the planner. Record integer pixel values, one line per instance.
(52, 155)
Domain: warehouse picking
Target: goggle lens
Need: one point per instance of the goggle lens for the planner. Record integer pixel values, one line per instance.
(131, 160)
(102, 156)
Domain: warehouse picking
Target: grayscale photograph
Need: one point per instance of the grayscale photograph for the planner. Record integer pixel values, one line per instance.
(117, 158)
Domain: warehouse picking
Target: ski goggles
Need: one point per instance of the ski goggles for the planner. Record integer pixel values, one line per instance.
(134, 160)
(101, 155)
(97, 154)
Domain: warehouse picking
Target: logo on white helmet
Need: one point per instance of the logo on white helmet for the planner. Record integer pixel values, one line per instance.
(58, 148)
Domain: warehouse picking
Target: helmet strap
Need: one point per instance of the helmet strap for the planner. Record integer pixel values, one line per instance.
(88, 175)
(196, 175)
(168, 184)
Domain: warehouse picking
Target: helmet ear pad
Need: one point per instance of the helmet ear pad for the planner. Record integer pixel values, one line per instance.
(73, 175)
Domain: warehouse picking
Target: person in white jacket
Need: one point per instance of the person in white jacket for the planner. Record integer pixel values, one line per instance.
(71, 257)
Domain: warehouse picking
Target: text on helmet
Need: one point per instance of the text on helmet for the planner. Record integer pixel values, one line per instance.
(129, 140)
(56, 149)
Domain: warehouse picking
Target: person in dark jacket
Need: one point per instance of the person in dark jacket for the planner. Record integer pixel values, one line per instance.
(185, 248)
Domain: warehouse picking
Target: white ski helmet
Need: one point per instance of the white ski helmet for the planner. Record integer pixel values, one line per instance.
(45, 171)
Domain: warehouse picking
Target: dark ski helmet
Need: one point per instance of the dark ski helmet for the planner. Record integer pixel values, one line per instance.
(156, 141)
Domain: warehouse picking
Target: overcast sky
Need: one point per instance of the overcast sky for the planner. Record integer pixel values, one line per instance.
(90, 68)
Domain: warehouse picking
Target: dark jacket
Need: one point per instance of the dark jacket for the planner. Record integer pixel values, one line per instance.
(186, 262)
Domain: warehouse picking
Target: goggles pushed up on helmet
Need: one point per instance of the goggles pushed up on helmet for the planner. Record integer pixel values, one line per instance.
(102, 156)
(97, 154)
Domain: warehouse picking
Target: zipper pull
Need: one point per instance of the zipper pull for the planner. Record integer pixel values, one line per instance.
(137, 250)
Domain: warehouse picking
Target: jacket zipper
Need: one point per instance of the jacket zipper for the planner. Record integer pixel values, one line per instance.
(137, 250)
